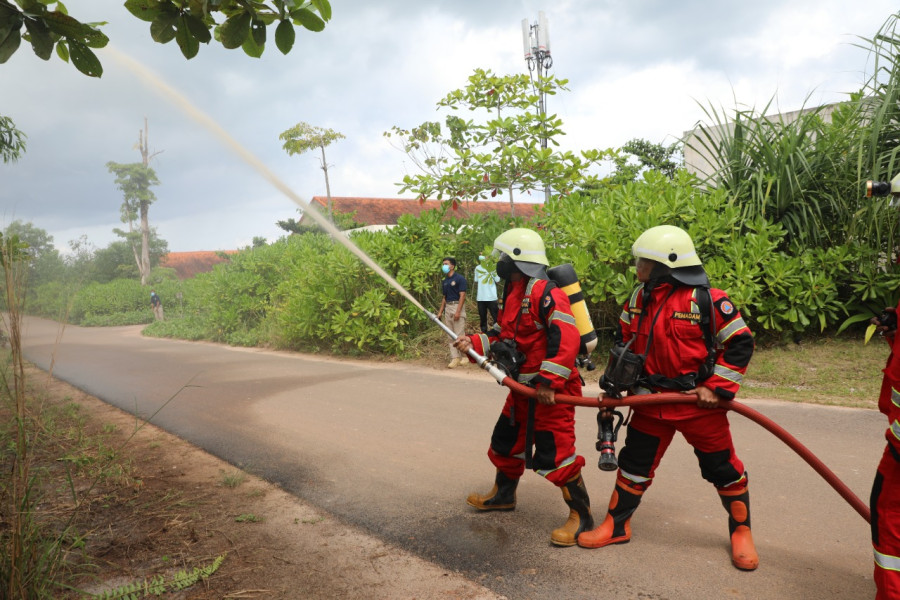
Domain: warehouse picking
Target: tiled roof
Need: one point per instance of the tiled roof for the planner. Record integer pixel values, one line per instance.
(386, 211)
(188, 264)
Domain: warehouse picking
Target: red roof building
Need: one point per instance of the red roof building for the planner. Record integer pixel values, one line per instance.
(188, 264)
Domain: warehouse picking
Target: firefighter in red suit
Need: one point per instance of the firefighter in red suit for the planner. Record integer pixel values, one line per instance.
(695, 341)
(537, 433)
(883, 502)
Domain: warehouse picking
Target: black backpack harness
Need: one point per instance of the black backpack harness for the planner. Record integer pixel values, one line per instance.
(625, 369)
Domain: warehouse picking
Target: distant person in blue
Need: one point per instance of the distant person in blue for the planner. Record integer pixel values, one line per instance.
(156, 305)
(486, 294)
(453, 307)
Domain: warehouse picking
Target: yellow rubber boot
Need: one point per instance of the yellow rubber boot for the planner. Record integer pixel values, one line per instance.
(580, 519)
(743, 551)
(501, 497)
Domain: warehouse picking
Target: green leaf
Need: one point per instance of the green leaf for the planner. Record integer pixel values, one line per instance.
(162, 29)
(308, 19)
(41, 40)
(258, 32)
(84, 59)
(94, 38)
(62, 50)
(32, 7)
(251, 48)
(145, 10)
(9, 45)
(870, 331)
(324, 8)
(64, 25)
(198, 28)
(285, 36)
(10, 19)
(186, 40)
(235, 30)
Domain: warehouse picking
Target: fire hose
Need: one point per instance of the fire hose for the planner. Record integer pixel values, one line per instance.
(604, 401)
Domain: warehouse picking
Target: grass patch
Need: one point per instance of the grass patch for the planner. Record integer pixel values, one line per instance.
(248, 518)
(233, 479)
(186, 328)
(841, 372)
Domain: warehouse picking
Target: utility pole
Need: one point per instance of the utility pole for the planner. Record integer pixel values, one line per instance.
(536, 44)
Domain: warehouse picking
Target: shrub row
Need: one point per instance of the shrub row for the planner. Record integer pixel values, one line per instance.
(309, 292)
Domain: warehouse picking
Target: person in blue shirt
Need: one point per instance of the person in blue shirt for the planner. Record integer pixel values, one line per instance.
(156, 306)
(453, 306)
(486, 294)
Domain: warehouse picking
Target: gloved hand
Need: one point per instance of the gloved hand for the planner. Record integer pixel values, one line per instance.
(886, 322)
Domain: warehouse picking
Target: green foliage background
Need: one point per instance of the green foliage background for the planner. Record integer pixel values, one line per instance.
(781, 223)
(307, 292)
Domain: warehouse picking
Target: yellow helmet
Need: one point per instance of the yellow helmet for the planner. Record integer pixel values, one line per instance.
(526, 249)
(667, 244)
(672, 246)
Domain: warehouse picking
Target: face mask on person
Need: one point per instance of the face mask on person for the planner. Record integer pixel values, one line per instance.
(445, 269)
(505, 267)
(480, 257)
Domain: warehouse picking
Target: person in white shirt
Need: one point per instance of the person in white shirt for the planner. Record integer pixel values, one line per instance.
(486, 295)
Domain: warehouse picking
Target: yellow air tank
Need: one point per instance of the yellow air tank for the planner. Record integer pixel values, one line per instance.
(564, 276)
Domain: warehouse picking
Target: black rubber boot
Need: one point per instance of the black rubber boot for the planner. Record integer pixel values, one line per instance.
(580, 519)
(501, 497)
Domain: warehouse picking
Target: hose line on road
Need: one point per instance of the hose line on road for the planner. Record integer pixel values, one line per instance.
(604, 401)
(678, 398)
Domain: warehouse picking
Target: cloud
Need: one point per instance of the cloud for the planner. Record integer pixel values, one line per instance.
(636, 69)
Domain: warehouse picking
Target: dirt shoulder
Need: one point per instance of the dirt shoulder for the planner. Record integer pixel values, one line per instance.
(175, 507)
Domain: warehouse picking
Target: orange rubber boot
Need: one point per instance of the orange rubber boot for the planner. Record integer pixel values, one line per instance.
(743, 551)
(616, 528)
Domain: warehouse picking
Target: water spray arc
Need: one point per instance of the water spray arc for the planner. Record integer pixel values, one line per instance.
(155, 82)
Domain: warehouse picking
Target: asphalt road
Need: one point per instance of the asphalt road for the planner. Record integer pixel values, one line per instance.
(395, 449)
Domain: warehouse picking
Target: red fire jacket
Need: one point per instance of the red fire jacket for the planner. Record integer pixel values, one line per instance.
(889, 400)
(678, 346)
(886, 488)
(542, 324)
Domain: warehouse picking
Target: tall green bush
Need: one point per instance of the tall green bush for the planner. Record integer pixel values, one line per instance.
(777, 291)
(331, 300)
(119, 302)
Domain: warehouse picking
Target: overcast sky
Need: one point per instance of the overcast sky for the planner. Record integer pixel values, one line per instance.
(636, 69)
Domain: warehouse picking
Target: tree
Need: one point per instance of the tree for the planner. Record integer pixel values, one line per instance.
(650, 157)
(134, 180)
(472, 160)
(303, 137)
(116, 261)
(44, 261)
(342, 220)
(12, 141)
(232, 23)
(80, 262)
